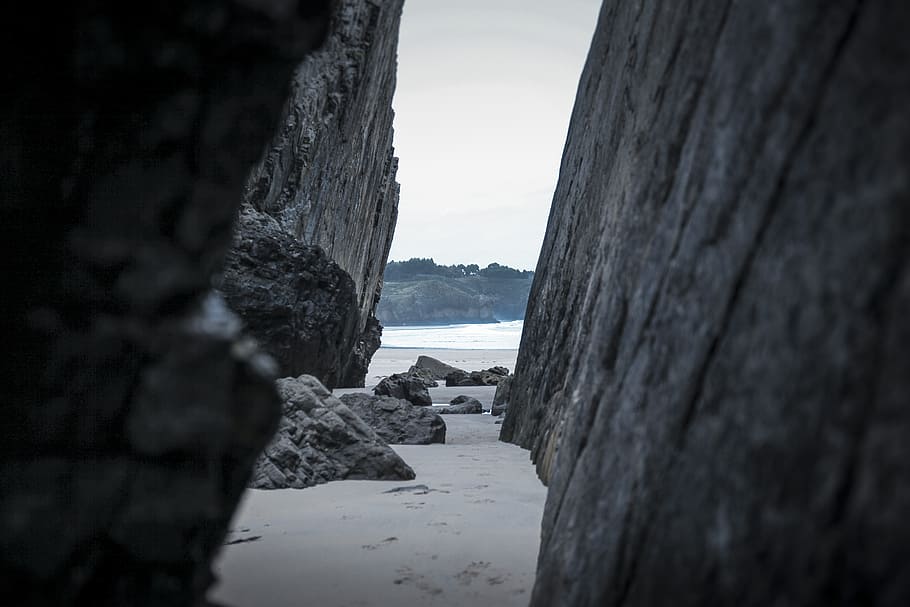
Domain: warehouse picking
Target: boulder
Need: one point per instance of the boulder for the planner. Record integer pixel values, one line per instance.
(403, 385)
(501, 398)
(298, 303)
(436, 368)
(461, 405)
(487, 377)
(396, 420)
(320, 440)
(424, 375)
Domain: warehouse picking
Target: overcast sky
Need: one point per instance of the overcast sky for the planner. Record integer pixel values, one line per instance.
(485, 92)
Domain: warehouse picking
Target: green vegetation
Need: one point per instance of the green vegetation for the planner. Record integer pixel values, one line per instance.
(418, 268)
(418, 291)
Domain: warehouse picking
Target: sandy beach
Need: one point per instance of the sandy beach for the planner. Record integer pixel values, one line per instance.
(464, 532)
(398, 360)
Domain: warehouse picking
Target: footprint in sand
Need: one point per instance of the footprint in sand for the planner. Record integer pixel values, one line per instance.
(408, 577)
(471, 572)
(384, 542)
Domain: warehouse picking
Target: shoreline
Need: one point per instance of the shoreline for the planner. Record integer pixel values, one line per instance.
(388, 360)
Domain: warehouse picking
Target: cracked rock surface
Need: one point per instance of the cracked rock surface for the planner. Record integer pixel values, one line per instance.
(320, 439)
(713, 373)
(327, 181)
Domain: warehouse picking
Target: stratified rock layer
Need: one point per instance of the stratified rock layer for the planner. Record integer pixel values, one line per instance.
(713, 375)
(320, 439)
(328, 180)
(132, 408)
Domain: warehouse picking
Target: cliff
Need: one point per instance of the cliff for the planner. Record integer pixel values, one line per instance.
(328, 180)
(132, 407)
(713, 372)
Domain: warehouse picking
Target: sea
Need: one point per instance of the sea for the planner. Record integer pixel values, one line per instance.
(488, 336)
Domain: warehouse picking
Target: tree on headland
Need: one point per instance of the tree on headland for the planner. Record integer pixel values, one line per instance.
(418, 267)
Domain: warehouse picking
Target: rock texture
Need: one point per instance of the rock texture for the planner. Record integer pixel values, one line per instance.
(502, 396)
(436, 368)
(320, 440)
(302, 305)
(402, 385)
(328, 180)
(461, 405)
(396, 420)
(132, 409)
(713, 372)
(487, 377)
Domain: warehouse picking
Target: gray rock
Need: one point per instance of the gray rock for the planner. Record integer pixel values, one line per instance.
(436, 368)
(461, 405)
(714, 367)
(133, 409)
(320, 440)
(425, 376)
(408, 387)
(328, 181)
(297, 302)
(501, 397)
(396, 420)
(487, 377)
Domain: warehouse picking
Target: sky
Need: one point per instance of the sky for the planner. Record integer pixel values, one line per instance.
(482, 106)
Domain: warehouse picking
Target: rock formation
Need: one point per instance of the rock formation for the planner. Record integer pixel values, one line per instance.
(502, 396)
(132, 408)
(487, 377)
(295, 297)
(320, 440)
(713, 375)
(402, 385)
(396, 420)
(461, 405)
(436, 368)
(328, 181)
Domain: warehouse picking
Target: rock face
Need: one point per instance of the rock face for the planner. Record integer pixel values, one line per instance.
(396, 420)
(133, 409)
(502, 396)
(713, 372)
(402, 385)
(320, 440)
(327, 180)
(461, 405)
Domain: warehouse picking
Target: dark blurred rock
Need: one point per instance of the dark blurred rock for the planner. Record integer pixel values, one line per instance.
(133, 409)
(714, 367)
(320, 440)
(501, 398)
(408, 387)
(396, 420)
(328, 180)
(461, 405)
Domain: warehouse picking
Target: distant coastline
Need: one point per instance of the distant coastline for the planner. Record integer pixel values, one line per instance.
(418, 292)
